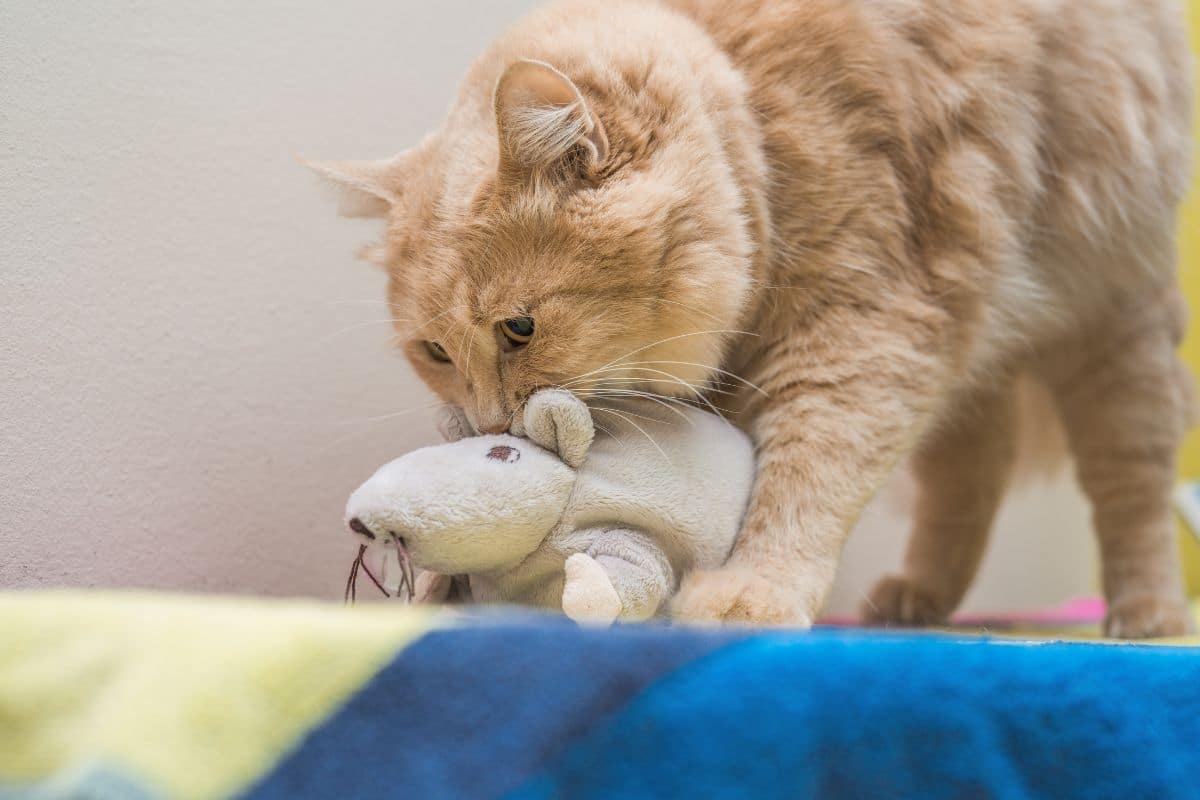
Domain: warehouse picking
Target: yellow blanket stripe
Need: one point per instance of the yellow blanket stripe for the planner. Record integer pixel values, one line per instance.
(1089, 634)
(1189, 242)
(190, 697)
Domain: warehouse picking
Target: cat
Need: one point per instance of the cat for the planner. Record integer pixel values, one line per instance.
(855, 228)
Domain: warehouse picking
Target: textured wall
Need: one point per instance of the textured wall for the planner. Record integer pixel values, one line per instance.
(192, 367)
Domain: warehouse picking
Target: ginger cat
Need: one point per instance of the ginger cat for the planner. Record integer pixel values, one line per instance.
(853, 225)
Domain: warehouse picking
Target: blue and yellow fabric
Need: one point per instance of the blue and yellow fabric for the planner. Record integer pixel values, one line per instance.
(109, 697)
(144, 696)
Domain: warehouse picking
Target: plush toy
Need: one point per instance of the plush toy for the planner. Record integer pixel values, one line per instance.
(599, 520)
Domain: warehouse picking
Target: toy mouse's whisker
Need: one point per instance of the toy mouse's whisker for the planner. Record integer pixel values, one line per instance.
(407, 579)
(360, 562)
(351, 594)
(374, 580)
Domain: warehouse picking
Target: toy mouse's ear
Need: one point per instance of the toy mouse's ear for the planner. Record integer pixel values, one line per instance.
(453, 424)
(558, 420)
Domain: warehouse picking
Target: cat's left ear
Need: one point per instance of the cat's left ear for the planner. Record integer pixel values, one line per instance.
(541, 117)
(364, 188)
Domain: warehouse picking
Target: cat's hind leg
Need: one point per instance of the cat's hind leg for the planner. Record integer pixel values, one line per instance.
(962, 470)
(1126, 401)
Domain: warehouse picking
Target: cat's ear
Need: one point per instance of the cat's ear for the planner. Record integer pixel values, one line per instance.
(541, 117)
(364, 188)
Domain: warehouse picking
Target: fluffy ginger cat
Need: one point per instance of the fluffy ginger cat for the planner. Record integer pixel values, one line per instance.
(857, 226)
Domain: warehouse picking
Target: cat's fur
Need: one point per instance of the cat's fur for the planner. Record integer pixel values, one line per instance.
(882, 213)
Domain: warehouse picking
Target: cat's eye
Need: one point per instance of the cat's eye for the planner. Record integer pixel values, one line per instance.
(518, 330)
(437, 352)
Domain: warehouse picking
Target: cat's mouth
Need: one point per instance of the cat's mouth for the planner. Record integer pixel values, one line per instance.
(407, 586)
(497, 420)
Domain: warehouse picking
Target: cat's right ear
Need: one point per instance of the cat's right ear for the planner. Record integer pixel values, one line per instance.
(541, 117)
(364, 188)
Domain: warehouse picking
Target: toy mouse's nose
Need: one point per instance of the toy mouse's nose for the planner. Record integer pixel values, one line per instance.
(358, 526)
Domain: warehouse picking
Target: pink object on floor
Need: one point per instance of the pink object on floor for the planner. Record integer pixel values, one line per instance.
(1079, 611)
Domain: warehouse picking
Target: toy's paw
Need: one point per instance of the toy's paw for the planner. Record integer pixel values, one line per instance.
(737, 595)
(897, 600)
(1146, 615)
(588, 594)
(453, 424)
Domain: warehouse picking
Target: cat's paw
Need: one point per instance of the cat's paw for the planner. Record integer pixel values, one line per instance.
(588, 594)
(897, 600)
(1147, 615)
(738, 595)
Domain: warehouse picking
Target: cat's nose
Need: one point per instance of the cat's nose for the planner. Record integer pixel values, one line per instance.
(358, 526)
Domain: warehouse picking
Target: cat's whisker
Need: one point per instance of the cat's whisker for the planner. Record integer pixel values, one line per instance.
(433, 319)
(358, 325)
(693, 309)
(699, 395)
(466, 332)
(470, 347)
(781, 288)
(633, 414)
(643, 348)
(609, 431)
(718, 370)
(642, 431)
(392, 415)
(368, 425)
(633, 366)
(637, 381)
(673, 379)
(623, 394)
(689, 404)
(378, 302)
(685, 402)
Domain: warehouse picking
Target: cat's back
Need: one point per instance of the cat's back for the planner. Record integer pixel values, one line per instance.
(1055, 134)
(1066, 67)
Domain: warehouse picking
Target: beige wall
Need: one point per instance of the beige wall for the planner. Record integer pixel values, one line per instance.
(192, 367)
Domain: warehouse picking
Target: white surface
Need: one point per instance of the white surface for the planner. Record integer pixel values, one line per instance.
(185, 401)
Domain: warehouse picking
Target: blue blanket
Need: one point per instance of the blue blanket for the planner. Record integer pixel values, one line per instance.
(526, 706)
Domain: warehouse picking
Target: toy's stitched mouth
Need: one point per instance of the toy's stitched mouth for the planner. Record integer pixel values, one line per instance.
(407, 587)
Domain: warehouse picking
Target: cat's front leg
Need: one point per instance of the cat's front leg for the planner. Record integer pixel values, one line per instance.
(848, 396)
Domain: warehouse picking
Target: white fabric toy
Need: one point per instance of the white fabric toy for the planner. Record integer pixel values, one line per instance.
(601, 522)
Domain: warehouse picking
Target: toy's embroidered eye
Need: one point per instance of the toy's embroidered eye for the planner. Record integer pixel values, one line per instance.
(509, 455)
(518, 330)
(437, 352)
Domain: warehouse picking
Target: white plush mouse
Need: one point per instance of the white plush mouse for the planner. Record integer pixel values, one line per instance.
(598, 520)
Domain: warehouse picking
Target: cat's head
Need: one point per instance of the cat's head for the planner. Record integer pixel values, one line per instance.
(548, 236)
